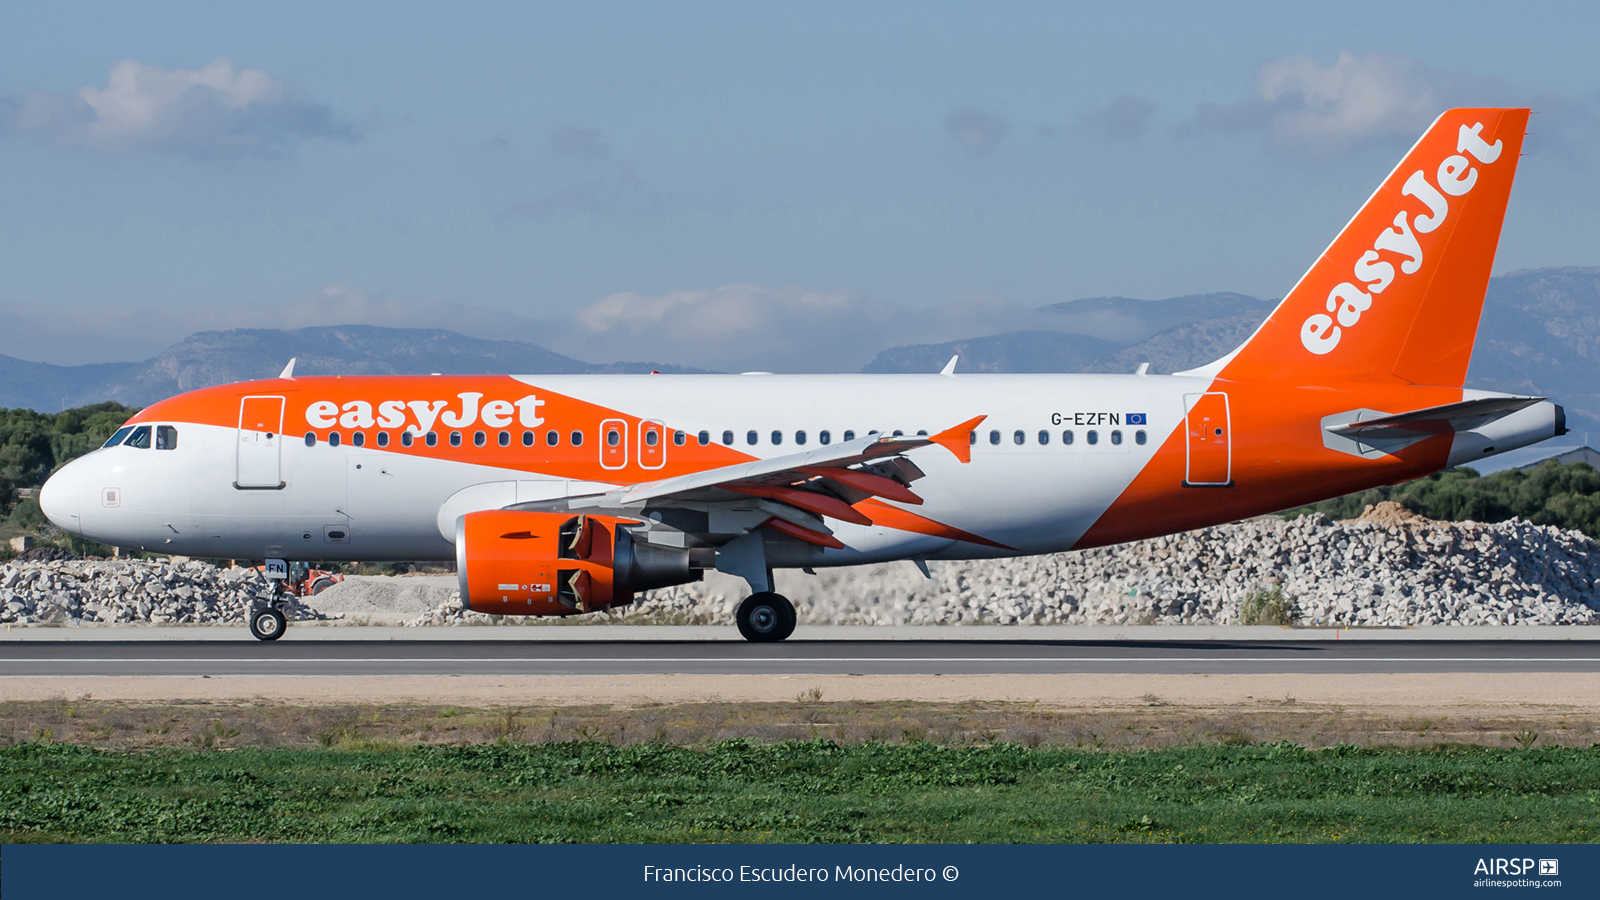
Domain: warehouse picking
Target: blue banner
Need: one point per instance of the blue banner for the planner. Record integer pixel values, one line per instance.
(38, 872)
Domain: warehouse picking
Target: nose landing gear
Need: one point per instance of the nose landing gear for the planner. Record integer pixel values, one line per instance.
(765, 617)
(267, 623)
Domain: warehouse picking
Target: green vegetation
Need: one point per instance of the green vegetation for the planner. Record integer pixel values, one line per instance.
(32, 445)
(798, 791)
(1268, 606)
(1549, 494)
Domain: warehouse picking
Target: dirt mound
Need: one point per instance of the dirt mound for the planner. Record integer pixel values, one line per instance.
(1388, 512)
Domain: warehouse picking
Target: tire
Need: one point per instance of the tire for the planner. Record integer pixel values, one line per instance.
(765, 618)
(267, 624)
(320, 585)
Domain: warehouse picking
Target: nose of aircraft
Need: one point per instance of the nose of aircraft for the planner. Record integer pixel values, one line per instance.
(58, 500)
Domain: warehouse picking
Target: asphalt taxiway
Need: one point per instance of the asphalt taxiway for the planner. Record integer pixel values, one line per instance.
(331, 656)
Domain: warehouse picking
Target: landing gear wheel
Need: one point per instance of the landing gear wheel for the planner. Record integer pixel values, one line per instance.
(267, 624)
(765, 618)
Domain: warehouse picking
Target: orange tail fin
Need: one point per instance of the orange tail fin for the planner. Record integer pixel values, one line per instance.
(1398, 293)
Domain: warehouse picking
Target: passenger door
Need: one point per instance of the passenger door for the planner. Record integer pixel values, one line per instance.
(260, 464)
(1209, 440)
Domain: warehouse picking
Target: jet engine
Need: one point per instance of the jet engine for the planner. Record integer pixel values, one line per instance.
(517, 563)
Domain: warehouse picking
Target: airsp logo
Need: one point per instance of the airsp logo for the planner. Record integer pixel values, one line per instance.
(1346, 302)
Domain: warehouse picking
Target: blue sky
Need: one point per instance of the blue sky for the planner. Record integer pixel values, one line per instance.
(711, 184)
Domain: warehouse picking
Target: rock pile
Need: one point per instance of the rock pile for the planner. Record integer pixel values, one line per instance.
(129, 590)
(1387, 568)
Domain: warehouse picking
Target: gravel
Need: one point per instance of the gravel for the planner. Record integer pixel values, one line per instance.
(1389, 568)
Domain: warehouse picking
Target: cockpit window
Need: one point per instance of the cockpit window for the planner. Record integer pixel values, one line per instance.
(140, 438)
(166, 437)
(117, 438)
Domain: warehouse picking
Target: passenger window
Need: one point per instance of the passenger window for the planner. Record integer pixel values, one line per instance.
(849, 436)
(922, 432)
(799, 437)
(1094, 436)
(751, 437)
(777, 438)
(824, 437)
(406, 437)
(383, 439)
(1066, 436)
(613, 437)
(651, 437)
(359, 439)
(1139, 438)
(333, 439)
(972, 438)
(679, 439)
(899, 433)
(311, 439)
(140, 438)
(166, 437)
(505, 438)
(455, 438)
(551, 438)
(727, 438)
(703, 438)
(994, 437)
(1018, 437)
(1116, 436)
(1044, 438)
(431, 439)
(479, 439)
(576, 438)
(117, 438)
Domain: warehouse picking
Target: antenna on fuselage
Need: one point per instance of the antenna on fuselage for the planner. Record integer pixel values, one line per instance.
(288, 371)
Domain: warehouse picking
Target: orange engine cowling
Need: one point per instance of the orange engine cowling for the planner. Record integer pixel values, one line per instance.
(518, 563)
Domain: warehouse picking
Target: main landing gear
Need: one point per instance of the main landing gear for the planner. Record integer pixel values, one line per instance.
(765, 617)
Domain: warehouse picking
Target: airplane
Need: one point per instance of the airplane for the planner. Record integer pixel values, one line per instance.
(562, 495)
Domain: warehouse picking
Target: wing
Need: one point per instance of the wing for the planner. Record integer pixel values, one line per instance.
(790, 494)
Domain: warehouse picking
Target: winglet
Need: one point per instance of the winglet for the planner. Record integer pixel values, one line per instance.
(958, 440)
(950, 367)
(288, 371)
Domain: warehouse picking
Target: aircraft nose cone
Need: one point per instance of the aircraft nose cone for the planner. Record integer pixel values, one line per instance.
(58, 500)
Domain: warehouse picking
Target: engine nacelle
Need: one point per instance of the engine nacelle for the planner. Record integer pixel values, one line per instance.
(516, 563)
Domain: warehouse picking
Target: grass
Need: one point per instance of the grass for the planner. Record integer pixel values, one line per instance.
(1268, 606)
(799, 791)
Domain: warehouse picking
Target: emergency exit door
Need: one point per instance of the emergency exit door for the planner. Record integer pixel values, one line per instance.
(1209, 440)
(652, 445)
(613, 444)
(260, 440)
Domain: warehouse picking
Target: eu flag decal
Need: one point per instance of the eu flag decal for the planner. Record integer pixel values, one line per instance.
(1136, 418)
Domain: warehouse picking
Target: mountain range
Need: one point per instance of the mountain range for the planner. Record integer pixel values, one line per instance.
(1539, 334)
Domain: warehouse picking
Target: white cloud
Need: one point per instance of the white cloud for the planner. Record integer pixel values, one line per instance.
(220, 109)
(732, 328)
(978, 131)
(1301, 104)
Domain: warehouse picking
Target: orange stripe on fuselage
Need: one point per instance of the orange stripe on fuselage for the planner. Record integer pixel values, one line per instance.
(1279, 460)
(358, 406)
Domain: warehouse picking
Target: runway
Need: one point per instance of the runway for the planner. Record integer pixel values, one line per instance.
(556, 658)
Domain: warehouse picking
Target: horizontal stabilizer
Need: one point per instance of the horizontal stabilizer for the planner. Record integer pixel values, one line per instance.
(1450, 418)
